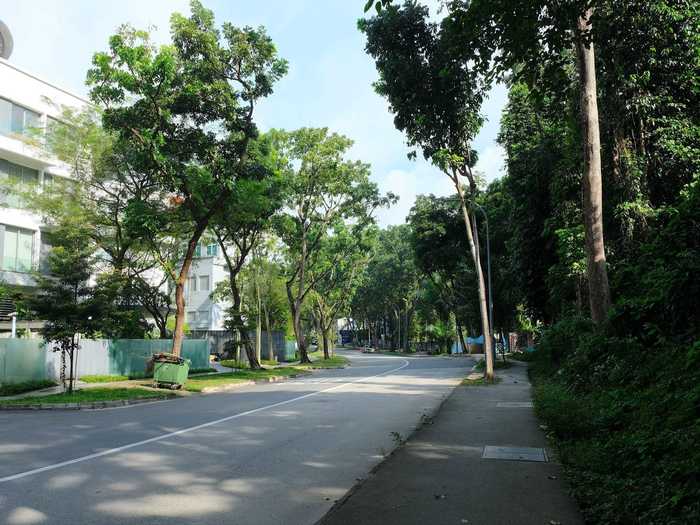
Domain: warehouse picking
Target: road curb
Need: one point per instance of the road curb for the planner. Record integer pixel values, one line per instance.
(234, 386)
(86, 406)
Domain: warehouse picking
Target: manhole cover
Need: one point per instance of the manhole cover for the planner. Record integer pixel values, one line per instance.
(514, 453)
(514, 404)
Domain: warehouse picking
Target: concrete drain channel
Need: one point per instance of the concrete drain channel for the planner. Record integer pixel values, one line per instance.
(515, 453)
(514, 404)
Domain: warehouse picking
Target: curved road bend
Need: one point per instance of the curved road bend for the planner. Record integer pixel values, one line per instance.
(277, 453)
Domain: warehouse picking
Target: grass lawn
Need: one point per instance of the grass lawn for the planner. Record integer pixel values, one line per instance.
(89, 395)
(27, 386)
(201, 371)
(336, 361)
(103, 379)
(232, 363)
(197, 384)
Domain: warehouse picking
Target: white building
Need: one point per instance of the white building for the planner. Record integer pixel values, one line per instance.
(208, 269)
(27, 103)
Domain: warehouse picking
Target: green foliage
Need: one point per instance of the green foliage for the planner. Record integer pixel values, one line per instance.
(65, 299)
(182, 117)
(103, 378)
(88, 395)
(12, 389)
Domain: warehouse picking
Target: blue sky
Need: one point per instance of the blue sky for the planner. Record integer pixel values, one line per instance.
(328, 84)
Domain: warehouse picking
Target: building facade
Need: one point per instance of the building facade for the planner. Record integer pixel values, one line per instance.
(28, 105)
(208, 269)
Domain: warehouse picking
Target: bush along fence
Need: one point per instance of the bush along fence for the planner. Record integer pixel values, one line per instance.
(31, 360)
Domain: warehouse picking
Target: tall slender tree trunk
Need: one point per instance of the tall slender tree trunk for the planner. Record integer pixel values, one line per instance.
(270, 348)
(460, 334)
(486, 329)
(179, 332)
(599, 288)
(258, 325)
(240, 325)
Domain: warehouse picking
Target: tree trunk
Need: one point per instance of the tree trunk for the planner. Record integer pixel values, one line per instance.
(398, 325)
(239, 325)
(72, 355)
(296, 325)
(270, 348)
(486, 329)
(599, 288)
(326, 344)
(258, 325)
(179, 333)
(460, 333)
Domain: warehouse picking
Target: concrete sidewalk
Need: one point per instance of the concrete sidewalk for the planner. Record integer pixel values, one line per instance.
(440, 477)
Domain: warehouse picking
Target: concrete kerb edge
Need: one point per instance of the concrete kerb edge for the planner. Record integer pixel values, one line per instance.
(87, 406)
(128, 402)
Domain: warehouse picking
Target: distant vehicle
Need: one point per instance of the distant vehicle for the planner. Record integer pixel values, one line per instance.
(367, 350)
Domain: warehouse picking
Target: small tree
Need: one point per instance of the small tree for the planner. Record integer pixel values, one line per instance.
(64, 299)
(184, 114)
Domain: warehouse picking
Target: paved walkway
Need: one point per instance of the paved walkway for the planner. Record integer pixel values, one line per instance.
(440, 477)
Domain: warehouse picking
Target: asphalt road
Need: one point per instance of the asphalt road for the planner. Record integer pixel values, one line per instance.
(280, 453)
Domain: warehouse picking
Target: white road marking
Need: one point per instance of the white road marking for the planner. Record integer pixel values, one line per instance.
(116, 450)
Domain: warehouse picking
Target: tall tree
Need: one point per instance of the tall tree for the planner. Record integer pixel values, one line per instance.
(240, 227)
(342, 259)
(324, 190)
(531, 41)
(436, 101)
(185, 114)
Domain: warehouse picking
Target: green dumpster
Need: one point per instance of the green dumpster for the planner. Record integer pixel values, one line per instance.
(170, 370)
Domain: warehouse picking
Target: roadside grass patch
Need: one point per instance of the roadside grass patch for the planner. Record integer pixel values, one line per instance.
(197, 384)
(522, 356)
(479, 381)
(88, 395)
(201, 371)
(337, 361)
(103, 379)
(12, 389)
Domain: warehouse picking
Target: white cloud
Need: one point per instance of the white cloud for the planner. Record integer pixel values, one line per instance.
(408, 185)
(491, 163)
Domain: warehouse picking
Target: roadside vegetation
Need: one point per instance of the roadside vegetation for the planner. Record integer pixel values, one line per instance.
(198, 384)
(88, 395)
(104, 378)
(12, 389)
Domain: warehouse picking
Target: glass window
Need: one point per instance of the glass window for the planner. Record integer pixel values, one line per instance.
(204, 283)
(212, 250)
(20, 178)
(44, 250)
(17, 250)
(191, 317)
(5, 116)
(198, 251)
(204, 317)
(192, 284)
(17, 119)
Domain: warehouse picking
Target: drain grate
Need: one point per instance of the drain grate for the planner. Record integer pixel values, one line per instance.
(515, 453)
(514, 404)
